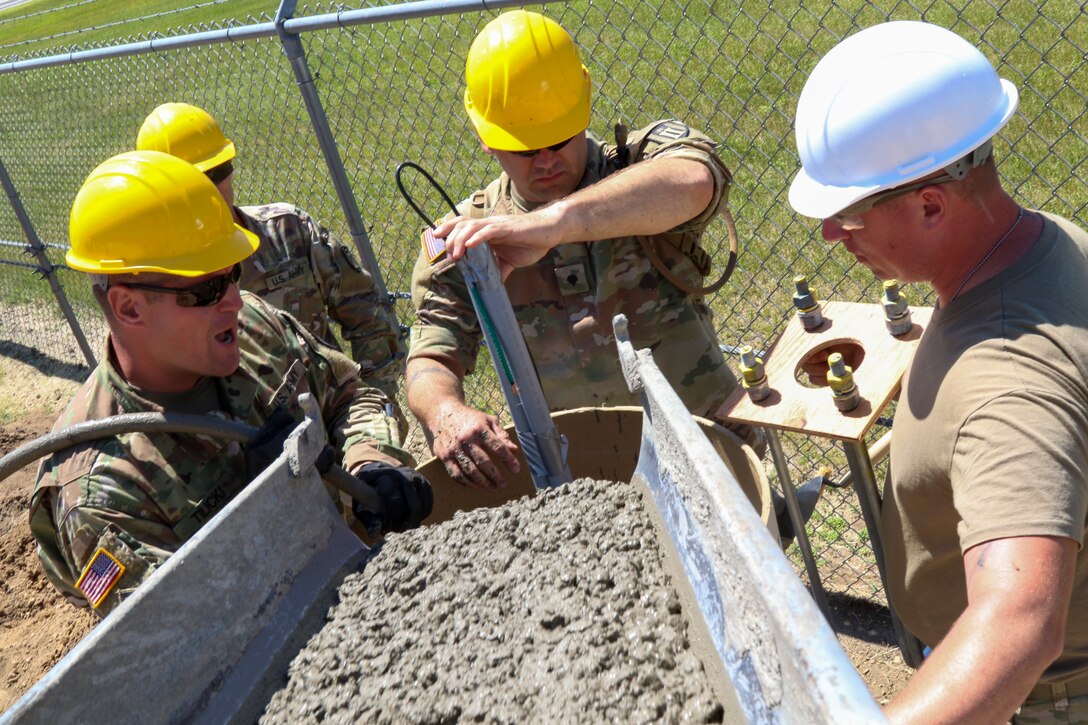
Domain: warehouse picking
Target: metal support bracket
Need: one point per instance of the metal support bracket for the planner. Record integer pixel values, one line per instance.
(864, 480)
(801, 533)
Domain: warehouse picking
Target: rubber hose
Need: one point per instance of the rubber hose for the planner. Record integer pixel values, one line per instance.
(170, 423)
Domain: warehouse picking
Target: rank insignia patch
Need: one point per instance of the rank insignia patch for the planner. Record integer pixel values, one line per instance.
(99, 576)
(670, 130)
(433, 247)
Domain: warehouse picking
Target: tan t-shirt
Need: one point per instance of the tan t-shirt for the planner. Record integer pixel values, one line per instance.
(991, 437)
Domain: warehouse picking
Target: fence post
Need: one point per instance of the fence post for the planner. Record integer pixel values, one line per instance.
(292, 47)
(45, 267)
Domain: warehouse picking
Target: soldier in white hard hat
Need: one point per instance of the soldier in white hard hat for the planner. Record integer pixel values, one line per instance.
(986, 510)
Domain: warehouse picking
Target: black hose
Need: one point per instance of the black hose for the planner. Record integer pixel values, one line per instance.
(170, 423)
(408, 197)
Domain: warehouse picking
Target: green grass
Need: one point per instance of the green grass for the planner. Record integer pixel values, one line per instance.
(43, 25)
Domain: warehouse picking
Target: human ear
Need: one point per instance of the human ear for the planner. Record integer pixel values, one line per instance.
(127, 307)
(934, 206)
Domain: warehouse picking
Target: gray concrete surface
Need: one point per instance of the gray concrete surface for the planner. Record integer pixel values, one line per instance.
(551, 609)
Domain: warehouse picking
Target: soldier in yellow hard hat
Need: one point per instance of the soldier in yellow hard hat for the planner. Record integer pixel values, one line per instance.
(164, 257)
(583, 230)
(298, 266)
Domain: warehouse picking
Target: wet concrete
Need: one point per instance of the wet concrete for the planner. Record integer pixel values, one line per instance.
(554, 608)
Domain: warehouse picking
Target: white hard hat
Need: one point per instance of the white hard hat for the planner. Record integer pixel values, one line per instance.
(890, 105)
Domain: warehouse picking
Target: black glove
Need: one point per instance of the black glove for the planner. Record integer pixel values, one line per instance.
(268, 443)
(404, 491)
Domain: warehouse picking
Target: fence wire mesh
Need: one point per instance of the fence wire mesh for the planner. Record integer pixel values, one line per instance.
(392, 92)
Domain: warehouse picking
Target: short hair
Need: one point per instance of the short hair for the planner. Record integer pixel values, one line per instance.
(981, 181)
(101, 283)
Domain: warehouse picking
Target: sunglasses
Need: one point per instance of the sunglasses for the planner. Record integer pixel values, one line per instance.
(850, 217)
(221, 172)
(533, 152)
(202, 294)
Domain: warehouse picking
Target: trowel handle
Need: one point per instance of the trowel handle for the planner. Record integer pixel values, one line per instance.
(361, 492)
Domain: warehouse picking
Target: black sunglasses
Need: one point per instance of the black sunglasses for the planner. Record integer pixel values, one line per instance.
(202, 294)
(533, 152)
(221, 172)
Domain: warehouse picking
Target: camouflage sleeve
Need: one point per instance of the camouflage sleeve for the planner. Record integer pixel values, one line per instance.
(361, 421)
(353, 302)
(97, 517)
(675, 139)
(446, 327)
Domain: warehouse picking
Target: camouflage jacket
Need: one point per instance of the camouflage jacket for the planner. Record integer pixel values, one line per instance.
(300, 268)
(565, 302)
(140, 496)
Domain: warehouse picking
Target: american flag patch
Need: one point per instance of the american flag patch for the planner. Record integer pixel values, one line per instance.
(99, 576)
(433, 247)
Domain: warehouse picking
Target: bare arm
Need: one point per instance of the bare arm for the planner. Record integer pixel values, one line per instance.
(469, 442)
(646, 198)
(1018, 592)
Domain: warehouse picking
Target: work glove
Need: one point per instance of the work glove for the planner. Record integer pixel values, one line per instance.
(267, 445)
(404, 491)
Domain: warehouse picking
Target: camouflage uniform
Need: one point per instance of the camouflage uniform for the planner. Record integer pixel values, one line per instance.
(300, 268)
(565, 302)
(140, 496)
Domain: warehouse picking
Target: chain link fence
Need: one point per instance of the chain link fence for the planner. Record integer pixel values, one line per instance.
(391, 89)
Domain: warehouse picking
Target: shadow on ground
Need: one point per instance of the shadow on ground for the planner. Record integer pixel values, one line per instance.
(46, 364)
(862, 618)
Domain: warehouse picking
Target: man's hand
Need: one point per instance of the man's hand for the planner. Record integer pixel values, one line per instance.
(268, 443)
(517, 241)
(404, 491)
(470, 443)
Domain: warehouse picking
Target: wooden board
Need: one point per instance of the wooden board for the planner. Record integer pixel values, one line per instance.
(794, 406)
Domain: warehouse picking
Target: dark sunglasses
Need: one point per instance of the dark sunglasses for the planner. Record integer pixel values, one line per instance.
(533, 152)
(202, 294)
(221, 172)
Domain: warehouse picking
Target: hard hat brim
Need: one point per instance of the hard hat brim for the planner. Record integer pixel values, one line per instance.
(238, 246)
(812, 198)
(224, 155)
(536, 136)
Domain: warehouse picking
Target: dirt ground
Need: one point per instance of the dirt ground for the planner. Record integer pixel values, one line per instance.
(37, 627)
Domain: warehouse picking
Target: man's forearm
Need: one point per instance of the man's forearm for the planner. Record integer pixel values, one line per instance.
(430, 384)
(646, 198)
(1019, 590)
(966, 681)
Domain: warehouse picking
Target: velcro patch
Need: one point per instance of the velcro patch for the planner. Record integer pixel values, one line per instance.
(433, 247)
(289, 385)
(671, 130)
(99, 576)
(284, 274)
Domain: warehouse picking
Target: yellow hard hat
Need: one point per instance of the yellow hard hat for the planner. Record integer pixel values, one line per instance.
(526, 85)
(146, 211)
(188, 132)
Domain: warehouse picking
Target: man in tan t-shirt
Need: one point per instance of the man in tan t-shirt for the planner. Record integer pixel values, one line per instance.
(986, 511)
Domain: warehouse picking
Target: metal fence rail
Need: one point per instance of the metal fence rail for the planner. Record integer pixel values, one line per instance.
(390, 78)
